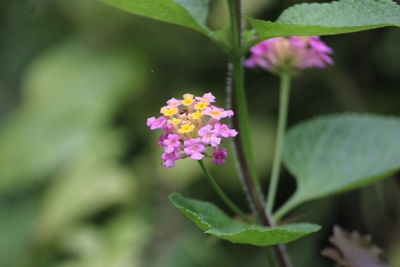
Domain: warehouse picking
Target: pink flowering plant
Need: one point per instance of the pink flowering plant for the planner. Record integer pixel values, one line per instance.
(192, 128)
(326, 155)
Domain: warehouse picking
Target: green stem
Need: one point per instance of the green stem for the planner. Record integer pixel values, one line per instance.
(221, 193)
(283, 111)
(240, 102)
(270, 258)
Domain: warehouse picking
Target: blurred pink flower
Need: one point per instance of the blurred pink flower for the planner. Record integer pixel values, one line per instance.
(290, 54)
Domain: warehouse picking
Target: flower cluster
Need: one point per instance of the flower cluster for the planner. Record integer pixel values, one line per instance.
(290, 54)
(190, 126)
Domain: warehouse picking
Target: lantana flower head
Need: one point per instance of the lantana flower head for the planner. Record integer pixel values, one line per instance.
(290, 54)
(192, 128)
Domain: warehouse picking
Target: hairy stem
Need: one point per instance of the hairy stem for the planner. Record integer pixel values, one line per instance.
(242, 144)
(282, 120)
(239, 101)
(221, 193)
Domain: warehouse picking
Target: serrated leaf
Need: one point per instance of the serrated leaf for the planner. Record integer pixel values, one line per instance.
(336, 153)
(188, 13)
(336, 17)
(213, 221)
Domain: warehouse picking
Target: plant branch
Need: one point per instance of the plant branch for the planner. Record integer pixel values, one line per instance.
(282, 121)
(242, 144)
(221, 193)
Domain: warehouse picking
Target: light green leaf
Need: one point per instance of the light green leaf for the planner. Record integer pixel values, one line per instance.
(120, 242)
(17, 224)
(213, 221)
(74, 193)
(188, 13)
(336, 153)
(70, 94)
(336, 17)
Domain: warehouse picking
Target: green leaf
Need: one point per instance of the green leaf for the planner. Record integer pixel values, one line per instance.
(188, 13)
(336, 17)
(18, 216)
(64, 109)
(119, 242)
(213, 221)
(336, 153)
(74, 193)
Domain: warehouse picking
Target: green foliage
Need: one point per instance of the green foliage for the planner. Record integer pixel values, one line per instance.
(192, 14)
(16, 226)
(213, 221)
(336, 17)
(332, 154)
(74, 194)
(64, 109)
(120, 242)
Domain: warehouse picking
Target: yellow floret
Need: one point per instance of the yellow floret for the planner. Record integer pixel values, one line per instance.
(169, 111)
(186, 128)
(196, 114)
(174, 121)
(201, 105)
(187, 101)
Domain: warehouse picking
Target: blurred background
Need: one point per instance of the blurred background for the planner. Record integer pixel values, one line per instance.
(80, 178)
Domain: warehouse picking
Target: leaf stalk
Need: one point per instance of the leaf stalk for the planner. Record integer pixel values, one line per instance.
(222, 194)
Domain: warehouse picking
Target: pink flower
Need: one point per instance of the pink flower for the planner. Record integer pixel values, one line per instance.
(218, 113)
(190, 127)
(290, 54)
(156, 123)
(209, 136)
(162, 138)
(173, 102)
(171, 143)
(219, 155)
(224, 131)
(194, 148)
(170, 158)
(168, 128)
(208, 97)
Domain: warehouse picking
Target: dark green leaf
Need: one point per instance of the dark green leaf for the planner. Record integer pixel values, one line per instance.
(336, 153)
(213, 221)
(188, 13)
(336, 17)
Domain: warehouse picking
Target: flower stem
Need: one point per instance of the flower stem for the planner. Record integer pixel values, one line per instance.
(283, 111)
(221, 193)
